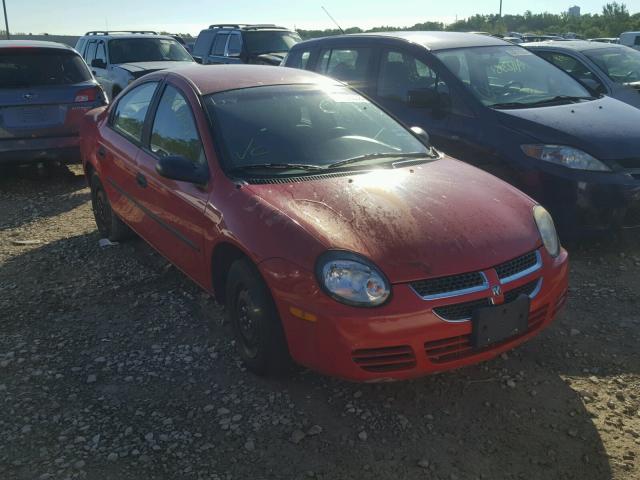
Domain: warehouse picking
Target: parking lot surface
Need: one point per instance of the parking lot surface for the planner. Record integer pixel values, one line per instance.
(114, 365)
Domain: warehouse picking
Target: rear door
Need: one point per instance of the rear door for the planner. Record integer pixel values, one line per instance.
(176, 208)
(118, 149)
(43, 92)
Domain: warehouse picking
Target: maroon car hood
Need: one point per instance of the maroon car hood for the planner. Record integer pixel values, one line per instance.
(433, 219)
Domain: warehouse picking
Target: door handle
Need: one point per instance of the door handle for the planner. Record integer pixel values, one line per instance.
(142, 180)
(101, 151)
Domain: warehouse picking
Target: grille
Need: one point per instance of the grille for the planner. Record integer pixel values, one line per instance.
(459, 347)
(460, 311)
(385, 359)
(517, 265)
(526, 289)
(299, 179)
(629, 162)
(632, 216)
(437, 286)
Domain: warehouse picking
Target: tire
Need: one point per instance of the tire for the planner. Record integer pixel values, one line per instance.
(260, 338)
(108, 223)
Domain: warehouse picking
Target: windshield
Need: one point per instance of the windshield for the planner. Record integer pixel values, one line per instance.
(306, 125)
(130, 50)
(509, 75)
(622, 65)
(31, 67)
(270, 41)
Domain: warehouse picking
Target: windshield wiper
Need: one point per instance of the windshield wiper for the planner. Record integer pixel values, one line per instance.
(546, 101)
(277, 166)
(372, 156)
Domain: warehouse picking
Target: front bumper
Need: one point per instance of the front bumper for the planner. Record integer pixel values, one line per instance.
(34, 150)
(583, 202)
(403, 338)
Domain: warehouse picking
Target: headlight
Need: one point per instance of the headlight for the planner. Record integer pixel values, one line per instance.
(566, 156)
(352, 279)
(547, 230)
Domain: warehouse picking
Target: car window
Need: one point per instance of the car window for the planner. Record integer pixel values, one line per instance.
(34, 67)
(307, 124)
(131, 110)
(91, 52)
(270, 41)
(298, 59)
(143, 49)
(174, 130)
(203, 41)
(402, 75)
(510, 76)
(235, 45)
(622, 65)
(101, 53)
(349, 65)
(575, 68)
(219, 44)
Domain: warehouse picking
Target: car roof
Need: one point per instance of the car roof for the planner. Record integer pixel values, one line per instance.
(209, 79)
(33, 44)
(576, 45)
(430, 40)
(248, 27)
(108, 35)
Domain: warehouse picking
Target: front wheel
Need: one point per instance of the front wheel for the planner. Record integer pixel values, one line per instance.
(260, 338)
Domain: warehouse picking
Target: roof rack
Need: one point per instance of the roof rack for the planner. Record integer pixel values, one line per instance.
(109, 32)
(245, 26)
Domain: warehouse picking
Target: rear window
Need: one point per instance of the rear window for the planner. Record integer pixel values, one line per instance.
(270, 41)
(31, 67)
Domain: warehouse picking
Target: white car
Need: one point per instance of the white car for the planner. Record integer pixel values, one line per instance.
(118, 58)
(630, 39)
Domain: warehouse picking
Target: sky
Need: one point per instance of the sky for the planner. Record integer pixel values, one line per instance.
(74, 17)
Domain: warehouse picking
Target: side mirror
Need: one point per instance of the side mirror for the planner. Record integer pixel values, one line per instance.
(98, 63)
(179, 168)
(422, 135)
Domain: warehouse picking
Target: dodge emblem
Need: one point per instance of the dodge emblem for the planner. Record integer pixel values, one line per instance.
(496, 291)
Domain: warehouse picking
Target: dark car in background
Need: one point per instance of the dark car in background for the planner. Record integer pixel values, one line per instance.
(498, 106)
(608, 69)
(45, 90)
(118, 58)
(259, 44)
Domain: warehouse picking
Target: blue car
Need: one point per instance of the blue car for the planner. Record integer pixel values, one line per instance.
(500, 107)
(45, 90)
(606, 69)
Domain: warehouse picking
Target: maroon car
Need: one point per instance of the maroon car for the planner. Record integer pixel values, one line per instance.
(45, 90)
(332, 233)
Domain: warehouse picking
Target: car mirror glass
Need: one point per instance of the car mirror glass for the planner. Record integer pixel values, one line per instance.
(176, 167)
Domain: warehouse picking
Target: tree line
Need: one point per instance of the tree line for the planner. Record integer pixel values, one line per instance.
(614, 19)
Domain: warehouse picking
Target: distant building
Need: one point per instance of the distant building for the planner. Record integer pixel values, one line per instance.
(574, 11)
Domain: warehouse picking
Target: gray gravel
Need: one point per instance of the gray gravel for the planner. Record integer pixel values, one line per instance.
(114, 366)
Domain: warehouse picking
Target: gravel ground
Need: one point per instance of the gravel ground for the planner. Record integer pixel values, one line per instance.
(114, 366)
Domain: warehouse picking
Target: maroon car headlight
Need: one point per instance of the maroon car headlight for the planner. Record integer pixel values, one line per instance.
(352, 279)
(547, 230)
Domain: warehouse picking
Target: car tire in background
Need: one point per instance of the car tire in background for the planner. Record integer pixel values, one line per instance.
(260, 338)
(108, 223)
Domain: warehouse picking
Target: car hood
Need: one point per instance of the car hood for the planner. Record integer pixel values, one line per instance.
(149, 67)
(605, 128)
(433, 219)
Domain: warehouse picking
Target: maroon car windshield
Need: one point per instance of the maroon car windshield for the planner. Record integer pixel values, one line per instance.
(36, 67)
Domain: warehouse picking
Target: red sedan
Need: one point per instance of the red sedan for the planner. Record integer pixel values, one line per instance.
(334, 236)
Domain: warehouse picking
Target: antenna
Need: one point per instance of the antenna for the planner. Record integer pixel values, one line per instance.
(332, 19)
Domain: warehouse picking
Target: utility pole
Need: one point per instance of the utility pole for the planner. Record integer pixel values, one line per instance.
(6, 20)
(500, 14)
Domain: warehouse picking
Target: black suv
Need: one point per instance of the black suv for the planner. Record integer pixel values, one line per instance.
(261, 44)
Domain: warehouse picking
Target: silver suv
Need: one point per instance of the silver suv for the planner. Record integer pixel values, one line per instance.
(118, 58)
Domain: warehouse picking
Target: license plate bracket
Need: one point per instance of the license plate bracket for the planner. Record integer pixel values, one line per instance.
(499, 322)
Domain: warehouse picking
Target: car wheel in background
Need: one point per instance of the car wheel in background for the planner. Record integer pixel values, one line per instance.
(108, 223)
(260, 338)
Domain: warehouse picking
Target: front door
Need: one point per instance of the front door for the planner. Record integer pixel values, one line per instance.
(176, 208)
(118, 151)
